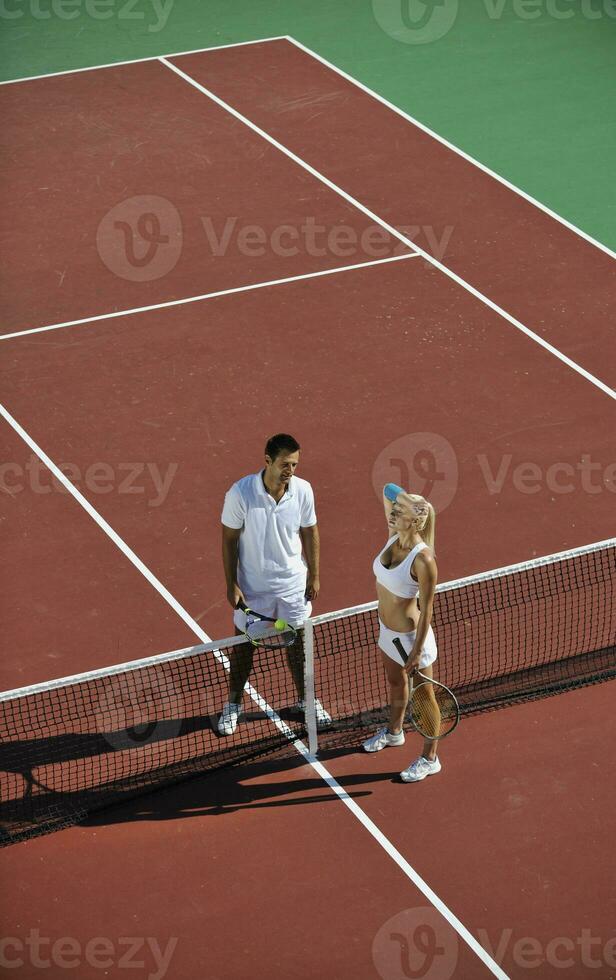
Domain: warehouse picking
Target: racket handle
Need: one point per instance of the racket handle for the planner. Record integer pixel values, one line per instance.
(241, 605)
(398, 645)
(405, 656)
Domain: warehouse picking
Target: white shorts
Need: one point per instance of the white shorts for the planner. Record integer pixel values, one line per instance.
(293, 609)
(387, 636)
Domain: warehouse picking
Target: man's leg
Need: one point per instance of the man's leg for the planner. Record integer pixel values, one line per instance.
(295, 660)
(240, 665)
(240, 662)
(296, 611)
(240, 657)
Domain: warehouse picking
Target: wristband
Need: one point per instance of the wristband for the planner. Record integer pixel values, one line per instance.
(391, 491)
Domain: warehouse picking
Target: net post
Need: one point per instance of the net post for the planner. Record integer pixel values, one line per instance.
(309, 695)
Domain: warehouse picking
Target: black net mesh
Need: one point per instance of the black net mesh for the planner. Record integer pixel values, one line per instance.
(67, 749)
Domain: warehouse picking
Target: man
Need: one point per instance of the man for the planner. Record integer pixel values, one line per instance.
(268, 520)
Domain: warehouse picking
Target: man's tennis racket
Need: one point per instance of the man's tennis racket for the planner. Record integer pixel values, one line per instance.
(263, 631)
(435, 711)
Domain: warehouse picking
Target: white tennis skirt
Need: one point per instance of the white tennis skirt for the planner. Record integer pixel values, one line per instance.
(387, 636)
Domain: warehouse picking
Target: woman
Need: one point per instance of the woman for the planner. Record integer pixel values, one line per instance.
(405, 569)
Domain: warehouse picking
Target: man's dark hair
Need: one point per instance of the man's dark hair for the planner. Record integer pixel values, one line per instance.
(281, 443)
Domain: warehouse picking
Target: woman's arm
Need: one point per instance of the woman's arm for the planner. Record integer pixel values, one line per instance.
(390, 492)
(425, 566)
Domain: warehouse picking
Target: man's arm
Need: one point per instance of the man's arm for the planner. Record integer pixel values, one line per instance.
(230, 555)
(312, 553)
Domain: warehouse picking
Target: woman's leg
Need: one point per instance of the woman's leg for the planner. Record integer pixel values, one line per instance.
(431, 713)
(398, 681)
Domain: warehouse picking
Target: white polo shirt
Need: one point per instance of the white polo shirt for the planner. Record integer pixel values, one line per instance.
(270, 546)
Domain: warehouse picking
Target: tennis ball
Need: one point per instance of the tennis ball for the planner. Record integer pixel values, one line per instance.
(280, 624)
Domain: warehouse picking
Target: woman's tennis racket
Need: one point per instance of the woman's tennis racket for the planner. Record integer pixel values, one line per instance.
(435, 711)
(263, 631)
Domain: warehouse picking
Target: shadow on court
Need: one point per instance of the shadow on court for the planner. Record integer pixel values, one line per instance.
(234, 790)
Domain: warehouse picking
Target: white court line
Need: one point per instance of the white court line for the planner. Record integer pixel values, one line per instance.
(354, 81)
(318, 767)
(407, 868)
(454, 148)
(321, 770)
(204, 296)
(137, 61)
(394, 231)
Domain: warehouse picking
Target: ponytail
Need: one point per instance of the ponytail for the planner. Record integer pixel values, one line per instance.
(427, 531)
(426, 518)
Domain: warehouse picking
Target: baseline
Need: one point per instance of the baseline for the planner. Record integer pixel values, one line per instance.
(136, 61)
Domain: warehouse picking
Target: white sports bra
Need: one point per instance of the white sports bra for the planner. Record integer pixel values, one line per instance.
(398, 580)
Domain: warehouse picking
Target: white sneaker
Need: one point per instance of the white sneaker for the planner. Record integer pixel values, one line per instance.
(382, 740)
(323, 717)
(420, 769)
(227, 723)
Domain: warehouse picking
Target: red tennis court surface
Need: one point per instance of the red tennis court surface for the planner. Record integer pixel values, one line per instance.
(397, 370)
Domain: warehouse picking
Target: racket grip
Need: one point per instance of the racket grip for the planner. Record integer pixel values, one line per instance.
(391, 491)
(241, 605)
(398, 645)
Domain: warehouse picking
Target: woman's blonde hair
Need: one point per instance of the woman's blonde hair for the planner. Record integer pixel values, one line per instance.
(425, 518)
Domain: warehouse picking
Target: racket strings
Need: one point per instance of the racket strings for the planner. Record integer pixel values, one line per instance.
(434, 711)
(266, 634)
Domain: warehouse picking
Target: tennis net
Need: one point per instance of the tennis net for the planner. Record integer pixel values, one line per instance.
(73, 746)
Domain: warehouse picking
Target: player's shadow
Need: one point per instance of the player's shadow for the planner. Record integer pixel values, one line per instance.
(211, 782)
(253, 786)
